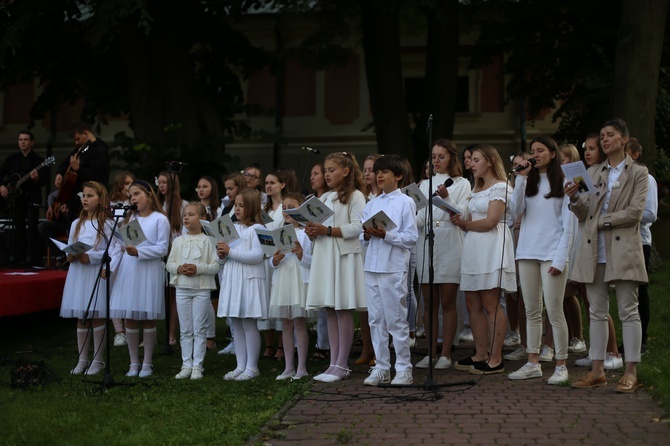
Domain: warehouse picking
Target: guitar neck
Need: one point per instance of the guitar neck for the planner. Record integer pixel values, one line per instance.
(24, 178)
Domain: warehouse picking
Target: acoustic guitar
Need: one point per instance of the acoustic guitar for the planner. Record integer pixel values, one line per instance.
(15, 186)
(68, 182)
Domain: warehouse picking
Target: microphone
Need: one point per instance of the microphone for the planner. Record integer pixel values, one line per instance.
(126, 207)
(447, 183)
(309, 149)
(531, 161)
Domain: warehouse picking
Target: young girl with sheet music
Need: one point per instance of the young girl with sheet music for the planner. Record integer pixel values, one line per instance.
(243, 297)
(93, 227)
(138, 294)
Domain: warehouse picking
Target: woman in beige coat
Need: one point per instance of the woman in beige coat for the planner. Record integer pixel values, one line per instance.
(610, 251)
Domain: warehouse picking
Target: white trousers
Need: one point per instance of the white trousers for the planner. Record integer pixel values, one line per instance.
(631, 327)
(387, 314)
(193, 307)
(535, 282)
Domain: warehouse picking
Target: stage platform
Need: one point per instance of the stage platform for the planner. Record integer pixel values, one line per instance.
(23, 292)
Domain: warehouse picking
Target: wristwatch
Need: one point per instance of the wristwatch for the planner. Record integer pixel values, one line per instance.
(607, 225)
(329, 230)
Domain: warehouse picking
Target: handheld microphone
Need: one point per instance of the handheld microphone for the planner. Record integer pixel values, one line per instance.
(309, 149)
(531, 161)
(447, 183)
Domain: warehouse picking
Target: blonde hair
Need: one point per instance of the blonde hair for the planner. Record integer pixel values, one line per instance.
(252, 207)
(368, 188)
(352, 182)
(491, 155)
(199, 209)
(569, 151)
(102, 215)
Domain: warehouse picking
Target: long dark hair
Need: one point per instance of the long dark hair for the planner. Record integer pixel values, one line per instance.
(554, 171)
(214, 200)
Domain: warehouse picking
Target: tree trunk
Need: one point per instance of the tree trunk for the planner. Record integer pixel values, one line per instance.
(637, 63)
(442, 66)
(381, 46)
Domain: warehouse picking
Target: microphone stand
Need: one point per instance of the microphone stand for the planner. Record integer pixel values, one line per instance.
(429, 383)
(108, 379)
(309, 167)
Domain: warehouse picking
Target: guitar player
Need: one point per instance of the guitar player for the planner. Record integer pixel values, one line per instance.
(23, 205)
(88, 161)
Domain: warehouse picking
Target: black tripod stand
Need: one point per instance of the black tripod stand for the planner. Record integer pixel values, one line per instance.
(119, 213)
(429, 383)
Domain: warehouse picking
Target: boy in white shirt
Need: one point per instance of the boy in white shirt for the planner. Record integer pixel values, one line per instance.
(386, 266)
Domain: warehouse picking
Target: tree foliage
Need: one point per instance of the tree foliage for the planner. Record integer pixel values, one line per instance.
(171, 67)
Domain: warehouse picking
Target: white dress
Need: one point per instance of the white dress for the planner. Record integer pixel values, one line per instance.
(139, 285)
(448, 246)
(337, 280)
(290, 281)
(277, 216)
(243, 284)
(480, 266)
(80, 281)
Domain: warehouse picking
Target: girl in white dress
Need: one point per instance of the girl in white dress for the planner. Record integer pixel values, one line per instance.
(208, 194)
(337, 260)
(138, 294)
(234, 183)
(193, 264)
(447, 250)
(243, 298)
(118, 194)
(83, 277)
(489, 269)
(275, 187)
(289, 293)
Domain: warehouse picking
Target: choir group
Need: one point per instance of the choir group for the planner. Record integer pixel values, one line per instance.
(504, 249)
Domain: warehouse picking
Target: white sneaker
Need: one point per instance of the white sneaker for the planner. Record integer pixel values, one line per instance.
(466, 335)
(546, 354)
(119, 339)
(403, 379)
(613, 362)
(443, 363)
(512, 338)
(576, 346)
(560, 375)
(584, 362)
(420, 333)
(377, 376)
(412, 342)
(228, 350)
(423, 364)
(196, 373)
(529, 370)
(517, 355)
(184, 373)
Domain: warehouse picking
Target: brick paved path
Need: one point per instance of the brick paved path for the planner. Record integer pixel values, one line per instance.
(494, 411)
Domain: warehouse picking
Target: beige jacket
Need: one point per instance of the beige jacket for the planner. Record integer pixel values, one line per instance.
(623, 246)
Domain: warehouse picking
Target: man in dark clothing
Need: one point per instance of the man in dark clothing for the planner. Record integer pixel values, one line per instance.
(88, 161)
(23, 202)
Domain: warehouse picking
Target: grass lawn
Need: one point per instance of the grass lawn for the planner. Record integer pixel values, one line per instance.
(654, 370)
(161, 410)
(157, 410)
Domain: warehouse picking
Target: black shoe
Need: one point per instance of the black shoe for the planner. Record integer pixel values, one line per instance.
(643, 349)
(482, 368)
